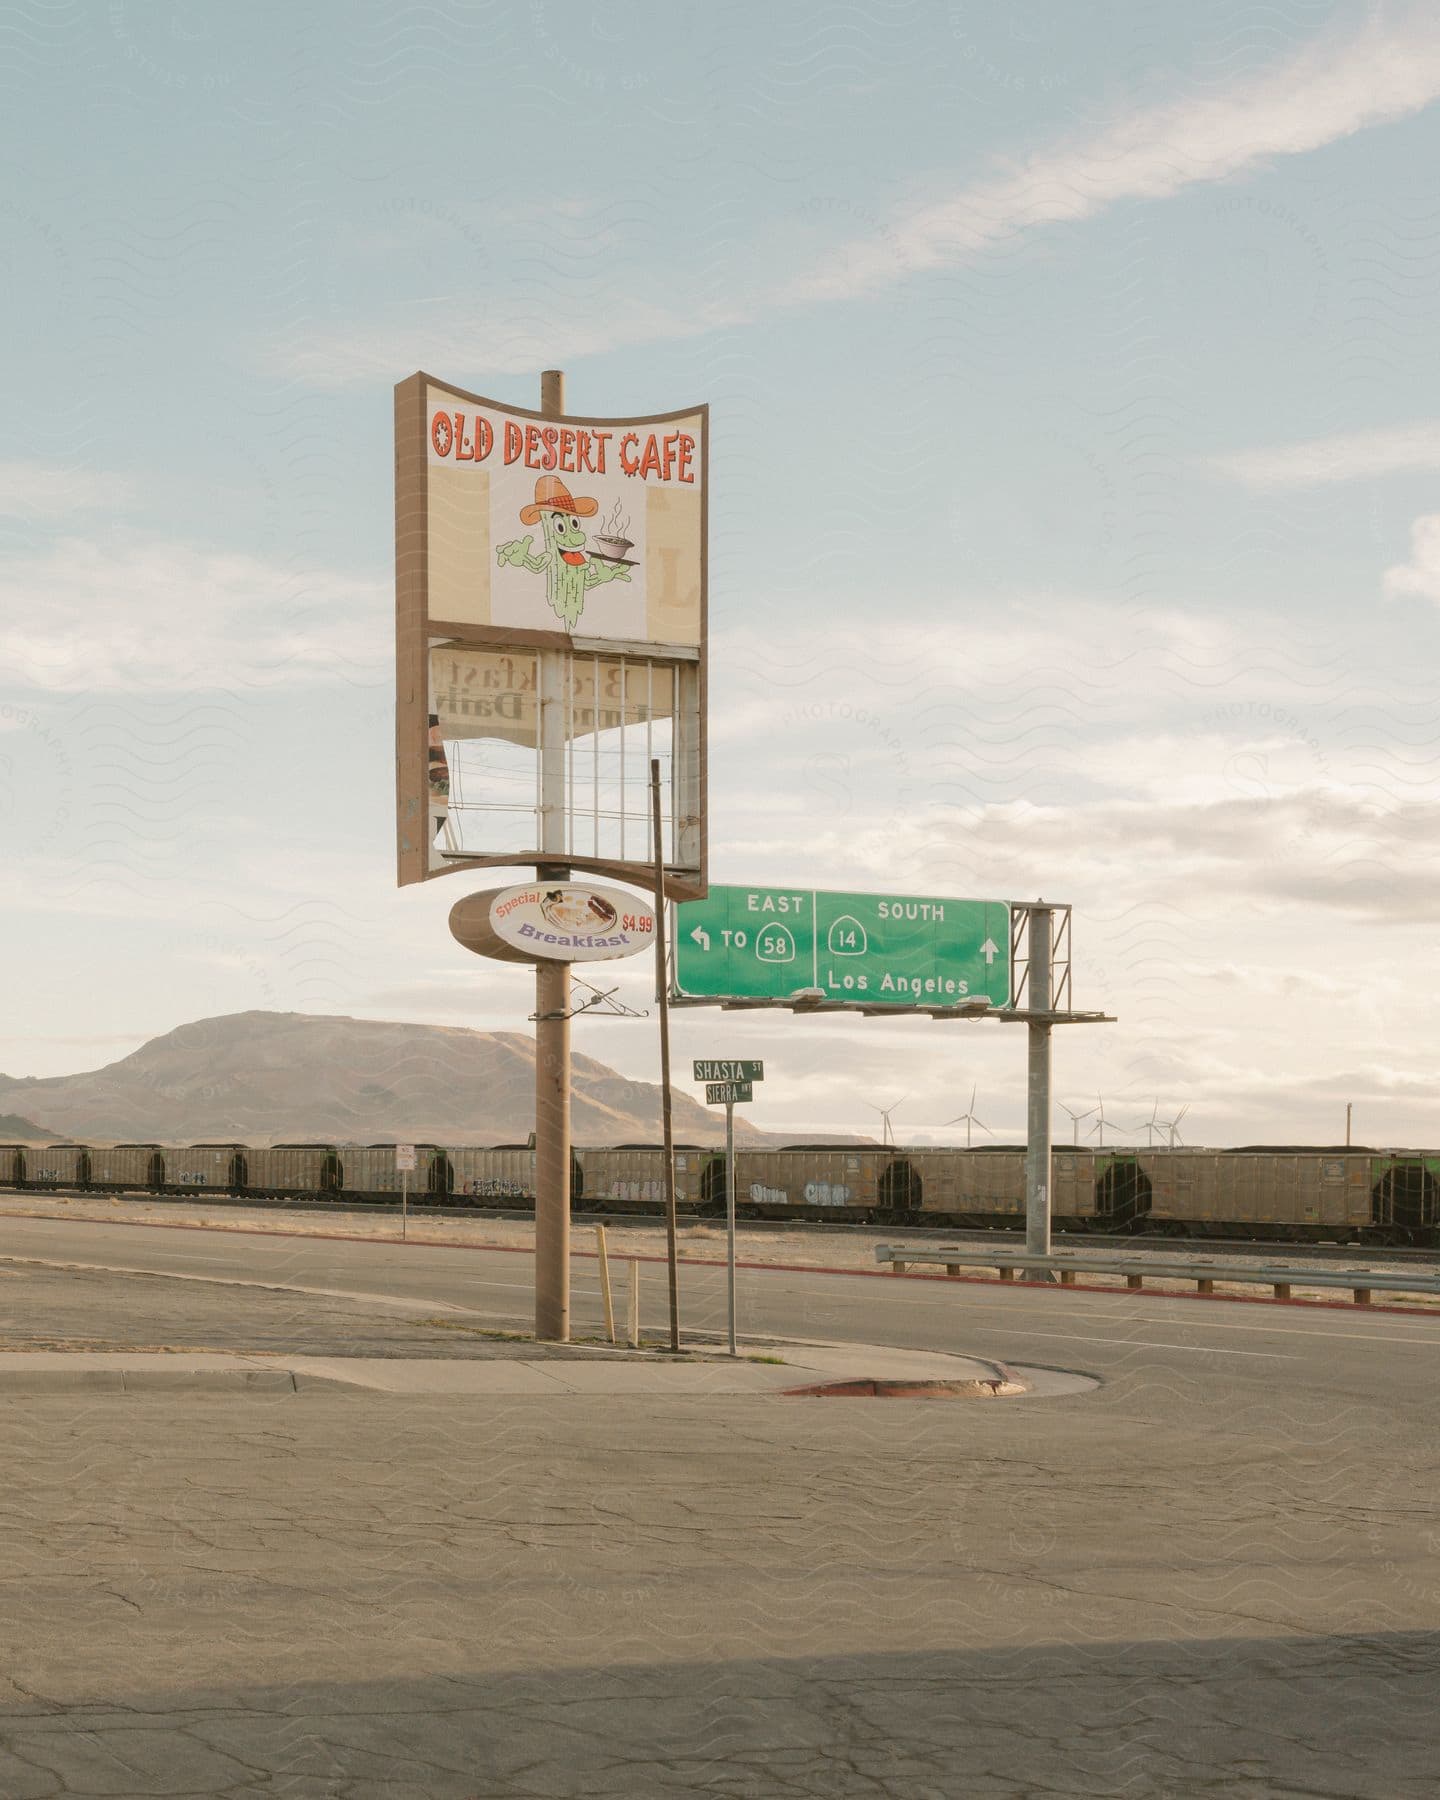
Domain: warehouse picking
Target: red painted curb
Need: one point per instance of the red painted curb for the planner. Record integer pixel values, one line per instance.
(867, 1387)
(715, 1262)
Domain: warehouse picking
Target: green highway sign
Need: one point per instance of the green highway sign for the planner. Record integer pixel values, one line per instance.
(771, 943)
(726, 1093)
(729, 1071)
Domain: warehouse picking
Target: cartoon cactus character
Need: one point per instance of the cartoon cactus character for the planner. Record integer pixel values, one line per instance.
(569, 571)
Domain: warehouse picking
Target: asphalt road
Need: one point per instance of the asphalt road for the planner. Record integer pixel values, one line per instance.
(1311, 1354)
(1215, 1574)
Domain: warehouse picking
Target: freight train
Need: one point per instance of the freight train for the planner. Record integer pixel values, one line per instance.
(1299, 1192)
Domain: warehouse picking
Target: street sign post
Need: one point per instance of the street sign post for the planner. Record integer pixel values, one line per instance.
(727, 1083)
(859, 949)
(405, 1163)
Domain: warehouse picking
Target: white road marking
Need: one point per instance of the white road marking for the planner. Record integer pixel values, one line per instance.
(1120, 1343)
(1342, 1334)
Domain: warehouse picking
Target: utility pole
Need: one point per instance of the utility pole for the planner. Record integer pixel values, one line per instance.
(1037, 1138)
(1348, 1105)
(552, 1001)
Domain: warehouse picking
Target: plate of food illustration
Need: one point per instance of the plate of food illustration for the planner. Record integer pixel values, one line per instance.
(578, 909)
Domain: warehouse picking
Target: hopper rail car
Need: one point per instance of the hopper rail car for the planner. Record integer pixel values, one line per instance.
(1285, 1193)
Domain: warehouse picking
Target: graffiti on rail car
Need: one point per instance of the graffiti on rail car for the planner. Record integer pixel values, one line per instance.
(494, 1187)
(826, 1193)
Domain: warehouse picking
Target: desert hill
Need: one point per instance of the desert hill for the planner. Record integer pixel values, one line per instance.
(265, 1077)
(15, 1130)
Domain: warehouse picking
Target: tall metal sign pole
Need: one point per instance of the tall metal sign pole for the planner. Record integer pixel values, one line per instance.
(1040, 925)
(552, 1009)
(730, 1223)
(550, 597)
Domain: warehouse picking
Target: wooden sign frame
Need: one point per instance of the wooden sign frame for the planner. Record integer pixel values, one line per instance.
(418, 632)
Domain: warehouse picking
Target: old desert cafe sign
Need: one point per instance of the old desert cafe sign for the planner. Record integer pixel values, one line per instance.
(593, 528)
(546, 921)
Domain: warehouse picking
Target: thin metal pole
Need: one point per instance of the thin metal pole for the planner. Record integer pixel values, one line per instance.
(730, 1219)
(404, 1201)
(1037, 1150)
(662, 995)
(1348, 1105)
(552, 1004)
(605, 1283)
(595, 755)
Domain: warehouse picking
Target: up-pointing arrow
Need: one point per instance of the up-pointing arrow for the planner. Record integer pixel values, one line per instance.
(989, 950)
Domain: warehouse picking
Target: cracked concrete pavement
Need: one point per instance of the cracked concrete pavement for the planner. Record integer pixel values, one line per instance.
(1216, 1574)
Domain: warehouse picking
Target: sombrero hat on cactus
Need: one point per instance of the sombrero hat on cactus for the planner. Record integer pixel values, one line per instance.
(552, 495)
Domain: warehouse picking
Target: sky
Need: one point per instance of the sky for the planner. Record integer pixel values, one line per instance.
(1075, 507)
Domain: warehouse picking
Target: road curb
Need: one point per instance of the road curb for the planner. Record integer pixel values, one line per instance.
(851, 1372)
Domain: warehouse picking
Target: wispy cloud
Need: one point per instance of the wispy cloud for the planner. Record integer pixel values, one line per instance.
(1347, 456)
(36, 490)
(1421, 575)
(144, 616)
(1313, 847)
(518, 335)
(1341, 83)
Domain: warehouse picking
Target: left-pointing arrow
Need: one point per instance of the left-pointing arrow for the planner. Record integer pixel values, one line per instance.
(701, 937)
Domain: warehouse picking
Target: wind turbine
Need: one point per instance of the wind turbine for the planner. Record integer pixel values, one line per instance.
(1151, 1125)
(1075, 1118)
(1101, 1122)
(968, 1119)
(887, 1136)
(1173, 1125)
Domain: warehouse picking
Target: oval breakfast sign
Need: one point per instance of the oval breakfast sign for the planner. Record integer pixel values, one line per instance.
(553, 921)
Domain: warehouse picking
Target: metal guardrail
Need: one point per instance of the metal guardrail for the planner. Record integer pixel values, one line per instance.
(1363, 1284)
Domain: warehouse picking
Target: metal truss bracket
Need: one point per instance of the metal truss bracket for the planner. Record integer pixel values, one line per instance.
(601, 1001)
(1060, 1002)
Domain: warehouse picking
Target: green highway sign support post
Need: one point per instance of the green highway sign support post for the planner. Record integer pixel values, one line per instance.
(1039, 925)
(724, 1086)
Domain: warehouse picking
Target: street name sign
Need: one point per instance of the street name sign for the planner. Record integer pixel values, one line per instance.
(729, 1071)
(771, 943)
(726, 1093)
